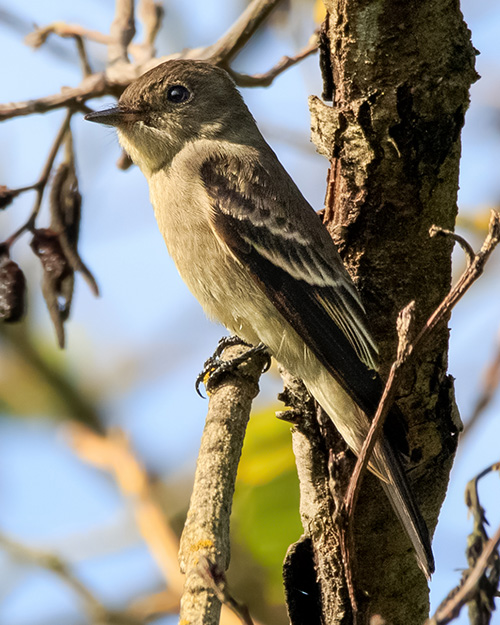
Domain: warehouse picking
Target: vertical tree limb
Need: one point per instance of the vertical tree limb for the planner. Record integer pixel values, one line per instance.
(399, 78)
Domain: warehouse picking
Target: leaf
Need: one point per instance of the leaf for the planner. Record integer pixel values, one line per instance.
(266, 503)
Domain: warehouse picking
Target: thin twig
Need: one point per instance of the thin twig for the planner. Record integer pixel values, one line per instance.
(351, 497)
(140, 51)
(82, 55)
(53, 563)
(452, 607)
(40, 185)
(489, 386)
(120, 74)
(470, 275)
(94, 86)
(266, 79)
(215, 579)
(464, 244)
(386, 401)
(228, 46)
(40, 35)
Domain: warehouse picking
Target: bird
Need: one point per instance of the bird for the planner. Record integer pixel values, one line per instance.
(256, 254)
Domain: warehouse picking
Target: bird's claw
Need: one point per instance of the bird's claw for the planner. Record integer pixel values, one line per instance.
(214, 368)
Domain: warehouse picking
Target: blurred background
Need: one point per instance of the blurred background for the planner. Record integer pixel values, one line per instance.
(133, 354)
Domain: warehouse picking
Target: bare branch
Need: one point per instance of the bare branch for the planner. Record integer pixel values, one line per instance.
(479, 583)
(452, 608)
(206, 532)
(40, 185)
(51, 562)
(386, 401)
(470, 275)
(40, 35)
(122, 32)
(82, 54)
(151, 15)
(489, 386)
(120, 73)
(266, 79)
(464, 244)
(228, 46)
(94, 86)
(113, 453)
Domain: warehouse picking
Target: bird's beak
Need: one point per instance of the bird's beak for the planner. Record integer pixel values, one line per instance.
(115, 116)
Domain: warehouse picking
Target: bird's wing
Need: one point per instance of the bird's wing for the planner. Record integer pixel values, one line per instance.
(293, 259)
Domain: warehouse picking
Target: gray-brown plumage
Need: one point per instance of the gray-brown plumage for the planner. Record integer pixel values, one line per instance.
(254, 252)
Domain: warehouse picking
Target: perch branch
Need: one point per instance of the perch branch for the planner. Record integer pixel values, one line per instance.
(206, 532)
(113, 453)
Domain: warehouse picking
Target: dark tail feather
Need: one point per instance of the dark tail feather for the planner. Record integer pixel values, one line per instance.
(403, 502)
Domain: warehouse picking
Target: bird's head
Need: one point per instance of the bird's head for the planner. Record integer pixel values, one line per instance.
(175, 103)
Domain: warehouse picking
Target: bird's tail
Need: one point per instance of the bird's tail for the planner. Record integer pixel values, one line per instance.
(402, 499)
(353, 426)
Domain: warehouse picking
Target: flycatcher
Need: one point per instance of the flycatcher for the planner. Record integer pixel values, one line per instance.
(254, 252)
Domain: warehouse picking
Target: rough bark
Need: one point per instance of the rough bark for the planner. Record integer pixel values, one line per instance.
(206, 532)
(399, 76)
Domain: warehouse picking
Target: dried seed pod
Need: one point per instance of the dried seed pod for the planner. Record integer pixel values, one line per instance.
(65, 203)
(65, 210)
(12, 288)
(47, 247)
(58, 277)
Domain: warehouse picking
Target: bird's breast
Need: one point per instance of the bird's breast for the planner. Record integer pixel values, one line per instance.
(222, 285)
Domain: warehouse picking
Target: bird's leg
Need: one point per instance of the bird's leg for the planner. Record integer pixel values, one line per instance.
(214, 368)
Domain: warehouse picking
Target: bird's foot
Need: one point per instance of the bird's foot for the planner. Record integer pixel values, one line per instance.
(214, 368)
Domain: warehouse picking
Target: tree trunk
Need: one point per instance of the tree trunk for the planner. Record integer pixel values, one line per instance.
(399, 75)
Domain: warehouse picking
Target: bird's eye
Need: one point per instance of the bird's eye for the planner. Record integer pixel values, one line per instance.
(177, 93)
